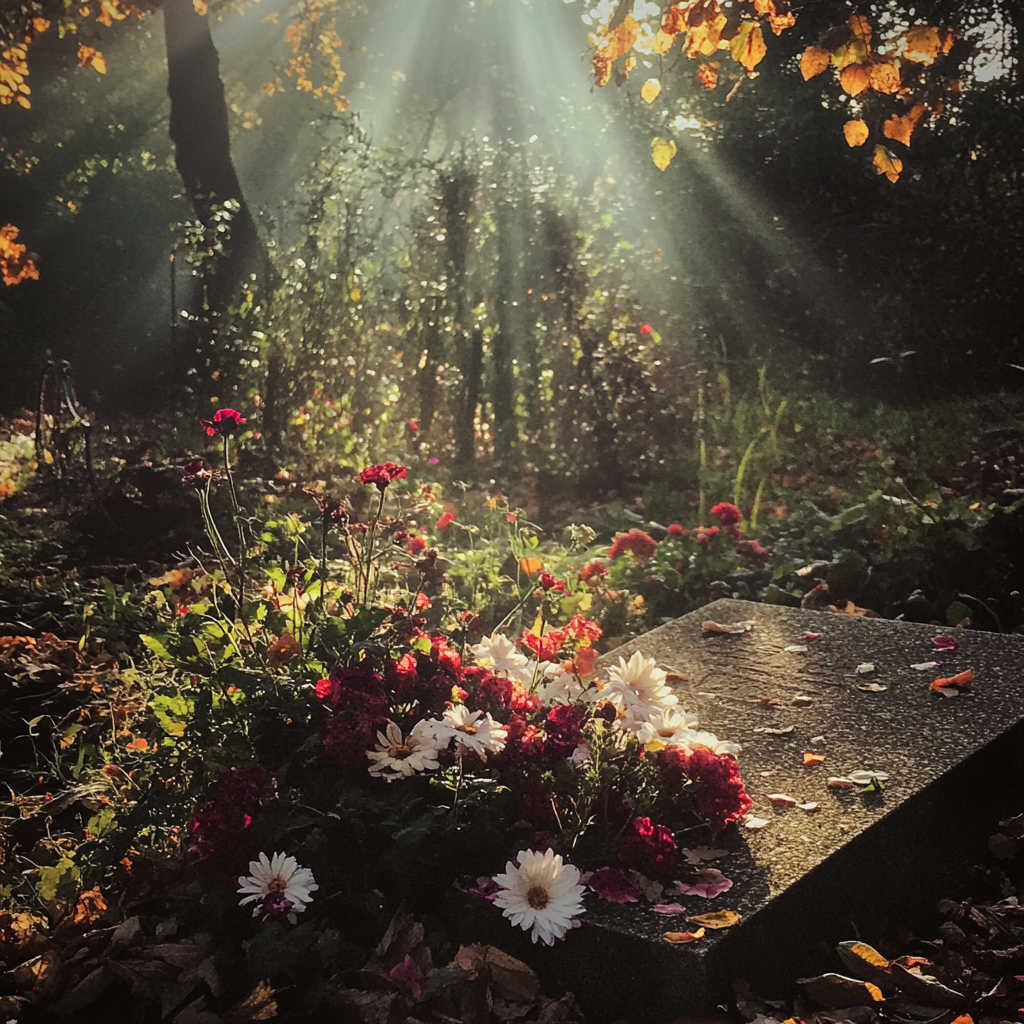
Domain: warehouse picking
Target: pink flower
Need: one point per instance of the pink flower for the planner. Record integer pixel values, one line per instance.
(675, 530)
(646, 328)
(445, 521)
(224, 423)
(433, 462)
(706, 534)
(727, 515)
(413, 425)
(752, 549)
(643, 545)
(648, 848)
(382, 475)
(612, 885)
(668, 908)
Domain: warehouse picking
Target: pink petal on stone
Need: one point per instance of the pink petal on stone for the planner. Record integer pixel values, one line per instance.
(707, 883)
(669, 908)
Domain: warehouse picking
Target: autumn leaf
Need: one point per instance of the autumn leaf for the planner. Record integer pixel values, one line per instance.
(282, 650)
(202, 8)
(901, 128)
(706, 37)
(717, 919)
(90, 57)
(138, 744)
(650, 90)
(621, 38)
(961, 681)
(814, 60)
(662, 152)
(663, 42)
(854, 79)
(887, 163)
(710, 626)
(40, 25)
(921, 44)
(812, 759)
(747, 46)
(856, 133)
(861, 29)
(674, 21)
(707, 74)
(883, 75)
(531, 565)
(16, 263)
(682, 937)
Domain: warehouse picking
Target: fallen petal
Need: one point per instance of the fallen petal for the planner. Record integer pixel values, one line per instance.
(810, 808)
(840, 783)
(924, 666)
(810, 760)
(668, 908)
(710, 626)
(755, 822)
(872, 687)
(795, 649)
(781, 800)
(684, 936)
(864, 668)
(801, 700)
(945, 642)
(717, 919)
(813, 636)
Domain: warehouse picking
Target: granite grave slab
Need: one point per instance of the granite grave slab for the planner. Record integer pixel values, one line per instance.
(809, 879)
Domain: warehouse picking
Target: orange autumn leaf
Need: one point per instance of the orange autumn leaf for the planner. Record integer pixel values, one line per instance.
(650, 90)
(901, 128)
(922, 44)
(887, 163)
(779, 15)
(282, 650)
(964, 1018)
(599, 64)
(747, 47)
(663, 42)
(531, 565)
(201, 7)
(707, 74)
(883, 75)
(856, 133)
(674, 21)
(706, 37)
(139, 744)
(812, 759)
(40, 25)
(680, 937)
(854, 79)
(16, 263)
(814, 60)
(962, 681)
(621, 38)
(90, 57)
(861, 28)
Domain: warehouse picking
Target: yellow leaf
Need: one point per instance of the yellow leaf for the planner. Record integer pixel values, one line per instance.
(887, 163)
(662, 152)
(621, 38)
(601, 66)
(706, 37)
(680, 937)
(747, 46)
(202, 8)
(814, 60)
(883, 75)
(856, 133)
(40, 25)
(852, 52)
(922, 44)
(663, 42)
(861, 28)
(650, 90)
(89, 56)
(854, 79)
(717, 919)
(901, 128)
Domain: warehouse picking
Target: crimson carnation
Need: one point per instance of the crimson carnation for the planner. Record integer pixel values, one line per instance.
(674, 765)
(219, 830)
(647, 848)
(548, 582)
(523, 743)
(360, 708)
(535, 805)
(546, 647)
(593, 572)
(382, 475)
(721, 797)
(580, 628)
(753, 550)
(564, 729)
(675, 530)
(643, 545)
(706, 534)
(417, 545)
(726, 514)
(224, 423)
(491, 693)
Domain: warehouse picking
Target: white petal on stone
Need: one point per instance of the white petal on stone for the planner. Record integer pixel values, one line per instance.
(755, 822)
(801, 700)
(948, 691)
(864, 668)
(863, 777)
(795, 649)
(810, 808)
(781, 800)
(925, 666)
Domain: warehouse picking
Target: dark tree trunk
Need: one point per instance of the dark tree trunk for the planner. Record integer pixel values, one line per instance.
(503, 381)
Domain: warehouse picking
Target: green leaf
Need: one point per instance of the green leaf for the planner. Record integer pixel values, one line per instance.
(158, 645)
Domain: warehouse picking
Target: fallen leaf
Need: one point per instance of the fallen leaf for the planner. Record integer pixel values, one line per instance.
(864, 668)
(684, 936)
(901, 128)
(921, 44)
(703, 853)
(709, 626)
(872, 687)
(717, 919)
(621, 38)
(854, 79)
(90, 57)
(944, 642)
(282, 650)
(887, 163)
(884, 75)
(259, 1004)
(834, 991)
(856, 133)
(512, 979)
(867, 963)
(668, 908)
(662, 152)
(814, 60)
(781, 800)
(961, 681)
(707, 74)
(923, 988)
(755, 822)
(812, 759)
(650, 90)
(784, 731)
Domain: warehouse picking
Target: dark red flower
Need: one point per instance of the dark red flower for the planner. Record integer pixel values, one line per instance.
(445, 521)
(195, 472)
(564, 729)
(706, 534)
(417, 545)
(675, 530)
(647, 848)
(721, 797)
(382, 475)
(726, 514)
(593, 573)
(752, 549)
(219, 833)
(611, 884)
(413, 425)
(548, 582)
(224, 423)
(643, 545)
(360, 708)
(523, 742)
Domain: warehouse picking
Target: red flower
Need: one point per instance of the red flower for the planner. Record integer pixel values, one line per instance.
(752, 549)
(523, 742)
(224, 422)
(417, 545)
(219, 829)
(414, 425)
(548, 582)
(722, 798)
(422, 601)
(580, 628)
(593, 573)
(195, 472)
(445, 521)
(564, 729)
(706, 534)
(646, 328)
(727, 515)
(647, 848)
(382, 475)
(643, 545)
(675, 530)
(546, 646)
(360, 707)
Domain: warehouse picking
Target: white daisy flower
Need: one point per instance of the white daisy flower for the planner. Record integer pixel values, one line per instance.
(639, 680)
(399, 756)
(664, 724)
(499, 654)
(690, 738)
(559, 685)
(277, 886)
(542, 894)
(472, 730)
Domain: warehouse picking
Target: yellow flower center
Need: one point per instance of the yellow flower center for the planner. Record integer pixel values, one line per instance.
(399, 751)
(537, 896)
(277, 884)
(468, 729)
